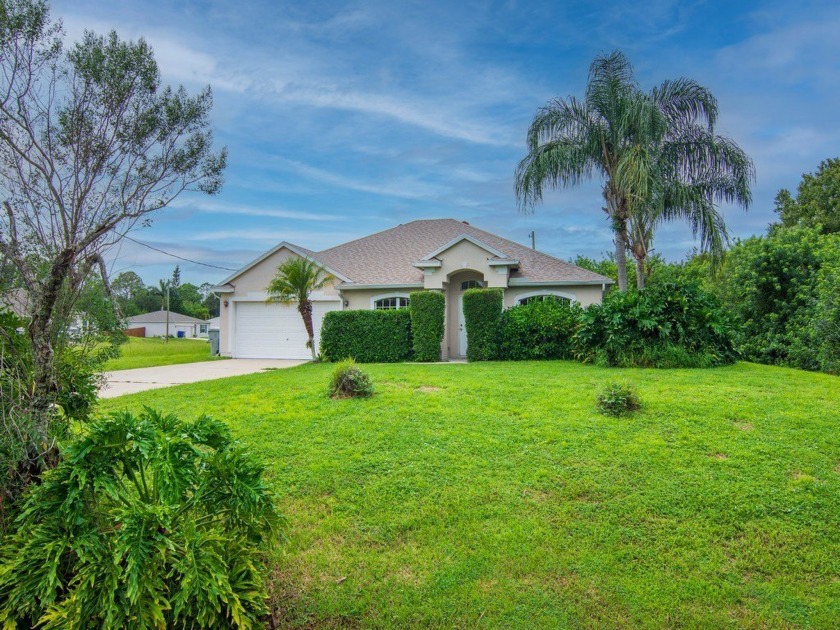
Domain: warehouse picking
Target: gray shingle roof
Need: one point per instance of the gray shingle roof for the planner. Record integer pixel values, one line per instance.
(159, 317)
(388, 257)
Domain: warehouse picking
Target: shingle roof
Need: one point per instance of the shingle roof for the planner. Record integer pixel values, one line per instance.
(159, 317)
(388, 257)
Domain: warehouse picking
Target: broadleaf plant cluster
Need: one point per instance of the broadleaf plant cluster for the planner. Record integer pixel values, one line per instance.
(146, 522)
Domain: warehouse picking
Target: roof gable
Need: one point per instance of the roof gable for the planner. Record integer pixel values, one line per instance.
(296, 249)
(464, 237)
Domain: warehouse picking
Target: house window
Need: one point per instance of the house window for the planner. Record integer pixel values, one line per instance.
(543, 297)
(471, 284)
(202, 329)
(388, 303)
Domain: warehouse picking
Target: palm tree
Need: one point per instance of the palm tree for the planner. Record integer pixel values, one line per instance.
(295, 281)
(693, 170)
(652, 151)
(571, 140)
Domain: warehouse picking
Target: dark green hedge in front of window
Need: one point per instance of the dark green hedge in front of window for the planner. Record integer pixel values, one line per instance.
(377, 336)
(427, 313)
(482, 311)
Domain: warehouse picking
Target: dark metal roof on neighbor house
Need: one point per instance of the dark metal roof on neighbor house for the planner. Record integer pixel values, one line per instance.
(389, 257)
(159, 317)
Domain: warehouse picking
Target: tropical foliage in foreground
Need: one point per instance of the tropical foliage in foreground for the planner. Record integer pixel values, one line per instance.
(147, 522)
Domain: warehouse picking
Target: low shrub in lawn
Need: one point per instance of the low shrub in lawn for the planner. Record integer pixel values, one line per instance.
(427, 324)
(146, 522)
(482, 312)
(662, 326)
(537, 330)
(376, 336)
(348, 380)
(617, 399)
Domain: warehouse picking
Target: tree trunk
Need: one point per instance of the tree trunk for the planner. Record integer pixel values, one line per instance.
(621, 257)
(617, 212)
(640, 273)
(40, 327)
(305, 310)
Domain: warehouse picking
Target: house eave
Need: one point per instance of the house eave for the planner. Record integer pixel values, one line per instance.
(518, 282)
(402, 285)
(503, 262)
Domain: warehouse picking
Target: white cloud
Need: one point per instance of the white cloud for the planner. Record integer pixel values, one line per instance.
(405, 187)
(213, 207)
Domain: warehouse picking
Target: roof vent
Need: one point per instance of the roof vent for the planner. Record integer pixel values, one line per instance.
(465, 222)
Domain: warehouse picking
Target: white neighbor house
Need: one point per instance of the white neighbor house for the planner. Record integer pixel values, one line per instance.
(155, 325)
(381, 270)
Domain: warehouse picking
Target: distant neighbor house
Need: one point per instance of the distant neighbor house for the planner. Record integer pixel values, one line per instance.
(381, 270)
(154, 325)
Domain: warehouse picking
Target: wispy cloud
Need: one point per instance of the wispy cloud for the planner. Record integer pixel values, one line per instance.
(405, 187)
(213, 207)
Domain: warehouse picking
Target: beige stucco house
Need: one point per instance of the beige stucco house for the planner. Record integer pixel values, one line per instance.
(381, 270)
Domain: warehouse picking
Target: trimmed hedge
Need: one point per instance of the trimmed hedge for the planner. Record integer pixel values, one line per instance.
(427, 313)
(382, 336)
(482, 313)
(538, 330)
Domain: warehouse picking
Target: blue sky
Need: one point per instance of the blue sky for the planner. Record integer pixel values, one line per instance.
(344, 118)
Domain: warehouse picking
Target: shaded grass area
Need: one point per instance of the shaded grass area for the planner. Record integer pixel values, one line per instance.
(139, 352)
(494, 495)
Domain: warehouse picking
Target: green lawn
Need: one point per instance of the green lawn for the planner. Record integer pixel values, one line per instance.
(493, 495)
(141, 352)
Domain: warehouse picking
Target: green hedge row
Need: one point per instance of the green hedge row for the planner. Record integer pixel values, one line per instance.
(427, 324)
(537, 331)
(482, 313)
(367, 336)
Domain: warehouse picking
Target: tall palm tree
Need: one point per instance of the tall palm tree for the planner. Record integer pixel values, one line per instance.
(640, 144)
(571, 140)
(296, 280)
(693, 170)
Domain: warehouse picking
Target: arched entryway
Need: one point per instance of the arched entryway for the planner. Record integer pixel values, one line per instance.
(456, 333)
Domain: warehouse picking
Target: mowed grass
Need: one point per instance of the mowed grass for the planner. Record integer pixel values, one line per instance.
(139, 352)
(494, 495)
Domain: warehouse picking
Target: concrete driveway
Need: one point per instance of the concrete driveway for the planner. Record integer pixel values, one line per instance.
(124, 382)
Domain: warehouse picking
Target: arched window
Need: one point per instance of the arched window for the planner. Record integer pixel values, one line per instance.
(543, 297)
(471, 284)
(391, 302)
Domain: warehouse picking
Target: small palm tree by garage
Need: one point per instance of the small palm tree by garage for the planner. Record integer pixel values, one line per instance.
(296, 280)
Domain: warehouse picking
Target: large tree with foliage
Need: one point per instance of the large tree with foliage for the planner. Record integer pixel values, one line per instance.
(817, 200)
(296, 280)
(91, 145)
(656, 152)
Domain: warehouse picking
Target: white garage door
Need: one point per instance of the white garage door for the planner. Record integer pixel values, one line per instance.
(274, 331)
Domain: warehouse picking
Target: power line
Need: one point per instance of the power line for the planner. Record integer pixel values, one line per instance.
(195, 262)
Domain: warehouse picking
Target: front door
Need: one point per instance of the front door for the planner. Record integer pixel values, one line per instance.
(462, 328)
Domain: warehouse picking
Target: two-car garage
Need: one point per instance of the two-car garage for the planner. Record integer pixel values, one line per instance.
(274, 331)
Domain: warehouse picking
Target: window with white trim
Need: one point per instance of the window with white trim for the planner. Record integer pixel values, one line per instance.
(388, 303)
(471, 284)
(543, 297)
(202, 329)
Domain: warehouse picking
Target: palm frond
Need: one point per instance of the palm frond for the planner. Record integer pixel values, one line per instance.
(684, 102)
(296, 279)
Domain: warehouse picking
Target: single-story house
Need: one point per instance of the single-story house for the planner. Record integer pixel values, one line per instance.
(179, 325)
(381, 270)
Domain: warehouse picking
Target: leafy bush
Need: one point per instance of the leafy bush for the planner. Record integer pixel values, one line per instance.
(780, 288)
(376, 336)
(663, 326)
(348, 380)
(537, 330)
(147, 522)
(617, 399)
(427, 324)
(482, 312)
